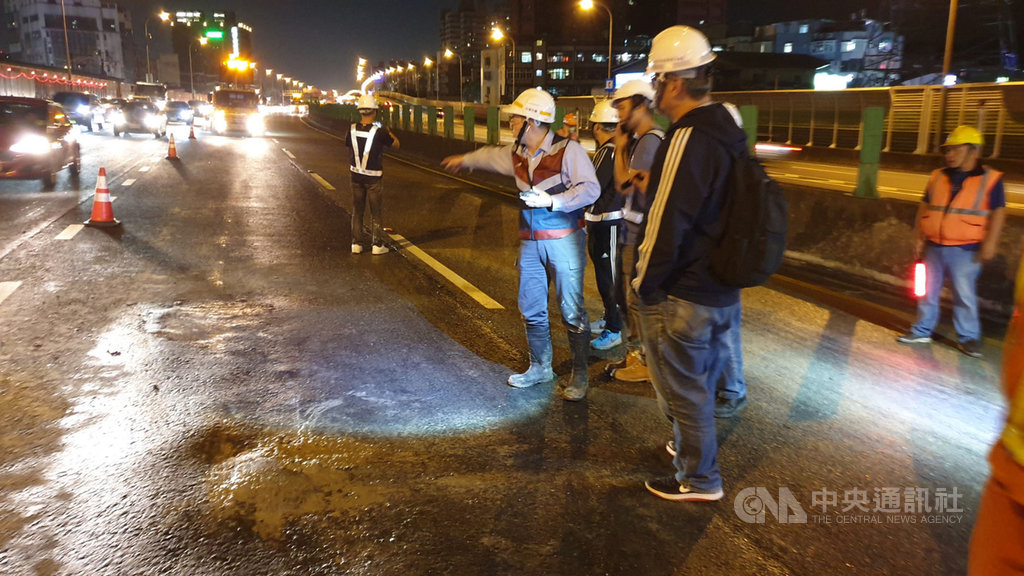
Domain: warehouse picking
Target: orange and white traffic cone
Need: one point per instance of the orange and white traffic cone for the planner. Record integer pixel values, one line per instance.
(191, 132)
(102, 209)
(172, 152)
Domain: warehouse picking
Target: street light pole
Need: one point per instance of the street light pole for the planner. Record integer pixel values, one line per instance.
(448, 54)
(947, 60)
(587, 5)
(497, 34)
(67, 47)
(191, 76)
(149, 70)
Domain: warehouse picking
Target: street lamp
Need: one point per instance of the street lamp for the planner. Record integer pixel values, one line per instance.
(497, 34)
(448, 54)
(427, 63)
(67, 47)
(163, 16)
(191, 76)
(588, 5)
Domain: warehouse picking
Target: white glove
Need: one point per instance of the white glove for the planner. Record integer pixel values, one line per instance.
(536, 198)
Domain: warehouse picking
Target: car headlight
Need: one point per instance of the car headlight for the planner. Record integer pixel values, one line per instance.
(84, 109)
(254, 124)
(151, 121)
(118, 118)
(33, 144)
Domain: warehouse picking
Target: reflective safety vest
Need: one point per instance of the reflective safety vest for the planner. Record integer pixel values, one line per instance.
(544, 223)
(359, 162)
(1013, 376)
(964, 219)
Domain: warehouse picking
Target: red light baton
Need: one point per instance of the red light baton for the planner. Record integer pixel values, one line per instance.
(920, 279)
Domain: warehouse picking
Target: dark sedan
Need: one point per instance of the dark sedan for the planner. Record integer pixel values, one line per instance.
(37, 140)
(140, 116)
(178, 111)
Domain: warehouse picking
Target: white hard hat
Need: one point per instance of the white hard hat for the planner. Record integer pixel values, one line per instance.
(679, 48)
(535, 104)
(604, 113)
(367, 102)
(634, 88)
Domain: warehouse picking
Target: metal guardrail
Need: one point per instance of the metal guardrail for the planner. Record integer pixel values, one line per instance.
(832, 119)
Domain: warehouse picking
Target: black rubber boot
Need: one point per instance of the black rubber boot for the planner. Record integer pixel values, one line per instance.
(579, 343)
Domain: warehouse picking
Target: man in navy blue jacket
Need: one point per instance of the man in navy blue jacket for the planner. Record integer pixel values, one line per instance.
(685, 313)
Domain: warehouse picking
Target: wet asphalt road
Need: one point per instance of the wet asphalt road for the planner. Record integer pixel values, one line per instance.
(221, 387)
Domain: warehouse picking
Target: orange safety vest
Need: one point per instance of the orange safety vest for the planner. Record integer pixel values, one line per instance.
(1013, 376)
(965, 219)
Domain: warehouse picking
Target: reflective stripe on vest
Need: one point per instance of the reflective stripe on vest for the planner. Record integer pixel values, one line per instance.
(360, 162)
(962, 219)
(544, 223)
(628, 213)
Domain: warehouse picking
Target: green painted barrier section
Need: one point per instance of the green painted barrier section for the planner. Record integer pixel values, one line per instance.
(749, 116)
(417, 119)
(870, 152)
(432, 120)
(469, 124)
(396, 116)
(559, 117)
(449, 122)
(406, 116)
(493, 136)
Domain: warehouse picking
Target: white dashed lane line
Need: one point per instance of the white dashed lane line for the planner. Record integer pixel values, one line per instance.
(321, 181)
(290, 155)
(128, 182)
(6, 289)
(70, 232)
(144, 169)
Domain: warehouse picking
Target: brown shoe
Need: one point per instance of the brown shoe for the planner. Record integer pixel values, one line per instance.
(636, 372)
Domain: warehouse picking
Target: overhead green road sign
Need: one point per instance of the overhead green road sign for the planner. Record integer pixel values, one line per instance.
(215, 34)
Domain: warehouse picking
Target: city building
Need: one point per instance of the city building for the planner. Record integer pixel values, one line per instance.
(226, 39)
(35, 33)
(464, 32)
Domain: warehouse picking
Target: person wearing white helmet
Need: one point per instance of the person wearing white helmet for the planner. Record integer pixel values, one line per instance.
(685, 312)
(604, 225)
(556, 182)
(367, 140)
(637, 139)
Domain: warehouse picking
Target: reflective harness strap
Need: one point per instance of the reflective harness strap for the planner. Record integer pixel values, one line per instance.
(614, 215)
(632, 215)
(360, 163)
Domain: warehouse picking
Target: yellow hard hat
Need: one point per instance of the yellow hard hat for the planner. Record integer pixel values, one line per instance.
(964, 135)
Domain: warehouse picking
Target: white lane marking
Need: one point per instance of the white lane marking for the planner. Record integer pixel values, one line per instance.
(70, 232)
(322, 182)
(128, 182)
(290, 155)
(474, 292)
(143, 168)
(7, 288)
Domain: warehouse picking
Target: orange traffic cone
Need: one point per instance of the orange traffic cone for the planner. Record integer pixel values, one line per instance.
(172, 152)
(102, 210)
(191, 132)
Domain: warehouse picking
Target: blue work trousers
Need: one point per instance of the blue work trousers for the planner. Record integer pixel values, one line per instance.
(687, 350)
(562, 260)
(963, 268)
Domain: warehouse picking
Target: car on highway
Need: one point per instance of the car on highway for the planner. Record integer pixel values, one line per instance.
(178, 111)
(83, 109)
(37, 140)
(201, 111)
(140, 117)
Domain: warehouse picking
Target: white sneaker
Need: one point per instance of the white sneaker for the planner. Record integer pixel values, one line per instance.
(378, 250)
(357, 249)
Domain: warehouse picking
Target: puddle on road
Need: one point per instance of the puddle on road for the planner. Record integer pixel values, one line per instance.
(271, 483)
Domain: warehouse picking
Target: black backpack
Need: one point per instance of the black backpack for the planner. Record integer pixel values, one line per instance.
(756, 220)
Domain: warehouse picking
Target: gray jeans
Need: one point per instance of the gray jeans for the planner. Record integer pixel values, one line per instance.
(362, 191)
(687, 350)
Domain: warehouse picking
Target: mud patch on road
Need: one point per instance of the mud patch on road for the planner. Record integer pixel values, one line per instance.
(211, 325)
(271, 484)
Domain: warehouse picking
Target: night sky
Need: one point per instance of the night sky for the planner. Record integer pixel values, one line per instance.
(318, 41)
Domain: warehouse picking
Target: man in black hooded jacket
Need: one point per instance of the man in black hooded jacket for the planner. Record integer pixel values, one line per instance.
(685, 313)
